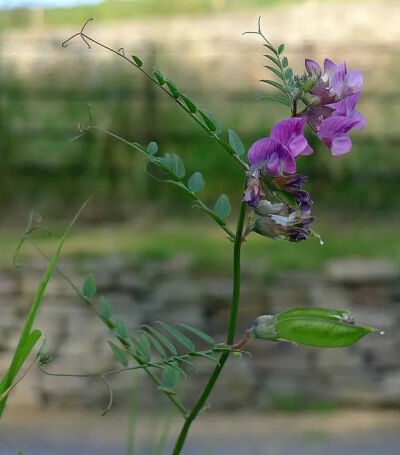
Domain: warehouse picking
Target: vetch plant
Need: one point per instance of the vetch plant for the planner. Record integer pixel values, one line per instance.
(273, 204)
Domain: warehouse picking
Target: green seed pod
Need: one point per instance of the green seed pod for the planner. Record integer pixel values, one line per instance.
(317, 327)
(336, 315)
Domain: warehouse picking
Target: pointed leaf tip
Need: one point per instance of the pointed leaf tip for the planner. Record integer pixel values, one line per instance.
(137, 60)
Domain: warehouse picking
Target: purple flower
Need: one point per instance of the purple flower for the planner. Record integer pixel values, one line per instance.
(347, 108)
(303, 200)
(335, 114)
(346, 83)
(271, 157)
(335, 82)
(276, 154)
(295, 227)
(289, 133)
(333, 132)
(254, 191)
(292, 184)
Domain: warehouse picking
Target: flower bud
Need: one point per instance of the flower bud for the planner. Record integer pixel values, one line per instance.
(268, 208)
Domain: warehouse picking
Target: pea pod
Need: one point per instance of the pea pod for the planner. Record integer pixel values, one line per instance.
(324, 333)
(317, 327)
(324, 313)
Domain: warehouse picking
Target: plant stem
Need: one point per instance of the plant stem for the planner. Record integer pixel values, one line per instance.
(230, 337)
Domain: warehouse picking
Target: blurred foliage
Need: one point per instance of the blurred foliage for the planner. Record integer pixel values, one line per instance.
(40, 169)
(344, 236)
(111, 10)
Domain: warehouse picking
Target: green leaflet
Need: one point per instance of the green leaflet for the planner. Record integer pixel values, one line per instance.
(89, 287)
(159, 76)
(120, 329)
(173, 88)
(162, 339)
(289, 73)
(208, 120)
(276, 85)
(174, 163)
(143, 347)
(189, 103)
(104, 308)
(277, 99)
(152, 148)
(137, 60)
(235, 142)
(170, 376)
(276, 72)
(196, 182)
(157, 346)
(199, 333)
(273, 59)
(184, 340)
(119, 353)
(222, 207)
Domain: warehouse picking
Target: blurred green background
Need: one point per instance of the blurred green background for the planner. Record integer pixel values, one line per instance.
(44, 92)
(197, 43)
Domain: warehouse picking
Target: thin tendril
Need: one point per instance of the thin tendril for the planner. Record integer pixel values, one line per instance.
(122, 55)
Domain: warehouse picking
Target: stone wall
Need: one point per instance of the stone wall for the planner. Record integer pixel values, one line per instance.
(278, 375)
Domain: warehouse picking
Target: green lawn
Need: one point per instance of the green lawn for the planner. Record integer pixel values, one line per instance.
(211, 250)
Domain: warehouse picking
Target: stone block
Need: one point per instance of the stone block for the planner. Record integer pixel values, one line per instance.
(361, 270)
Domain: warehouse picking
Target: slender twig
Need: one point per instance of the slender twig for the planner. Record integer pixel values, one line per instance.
(121, 53)
(179, 182)
(110, 325)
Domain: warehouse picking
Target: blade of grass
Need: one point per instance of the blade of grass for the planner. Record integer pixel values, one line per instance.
(25, 344)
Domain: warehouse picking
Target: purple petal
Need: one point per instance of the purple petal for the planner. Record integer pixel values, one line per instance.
(313, 67)
(299, 146)
(271, 156)
(308, 151)
(353, 82)
(316, 115)
(336, 125)
(340, 144)
(361, 122)
(287, 130)
(329, 66)
(257, 152)
(346, 106)
(338, 79)
(289, 133)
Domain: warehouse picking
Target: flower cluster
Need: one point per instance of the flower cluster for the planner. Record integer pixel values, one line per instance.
(330, 97)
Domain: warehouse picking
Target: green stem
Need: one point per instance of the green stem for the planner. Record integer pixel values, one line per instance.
(230, 337)
(225, 145)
